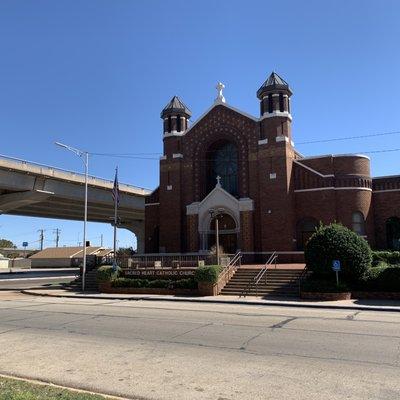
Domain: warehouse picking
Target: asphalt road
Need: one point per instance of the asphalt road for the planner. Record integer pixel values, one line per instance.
(156, 350)
(35, 279)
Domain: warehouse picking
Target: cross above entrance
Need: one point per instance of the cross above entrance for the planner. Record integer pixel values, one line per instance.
(218, 181)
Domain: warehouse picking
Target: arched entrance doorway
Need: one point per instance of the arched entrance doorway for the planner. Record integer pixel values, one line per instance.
(228, 234)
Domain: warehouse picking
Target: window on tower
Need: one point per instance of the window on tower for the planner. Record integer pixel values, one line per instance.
(281, 105)
(178, 123)
(270, 103)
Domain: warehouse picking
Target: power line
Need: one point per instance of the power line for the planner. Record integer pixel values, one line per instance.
(349, 137)
(139, 155)
(210, 160)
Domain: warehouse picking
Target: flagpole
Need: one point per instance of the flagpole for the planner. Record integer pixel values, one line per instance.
(115, 219)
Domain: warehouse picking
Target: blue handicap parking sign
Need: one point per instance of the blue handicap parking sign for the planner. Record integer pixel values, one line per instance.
(336, 265)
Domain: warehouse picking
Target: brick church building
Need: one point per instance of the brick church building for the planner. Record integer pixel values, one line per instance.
(245, 171)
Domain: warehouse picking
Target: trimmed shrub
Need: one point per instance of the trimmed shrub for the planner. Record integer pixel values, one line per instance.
(381, 279)
(189, 283)
(385, 258)
(209, 273)
(336, 242)
(106, 273)
(126, 282)
(160, 283)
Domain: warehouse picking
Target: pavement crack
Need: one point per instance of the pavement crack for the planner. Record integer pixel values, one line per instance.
(191, 330)
(282, 323)
(247, 342)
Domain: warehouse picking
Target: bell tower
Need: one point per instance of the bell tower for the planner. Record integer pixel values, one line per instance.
(274, 96)
(176, 121)
(275, 161)
(175, 116)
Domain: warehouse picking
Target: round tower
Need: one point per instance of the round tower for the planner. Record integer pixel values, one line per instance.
(274, 96)
(175, 115)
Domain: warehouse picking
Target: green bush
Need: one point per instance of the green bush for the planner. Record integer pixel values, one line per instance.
(381, 279)
(160, 283)
(385, 258)
(209, 273)
(189, 283)
(323, 286)
(106, 273)
(336, 242)
(127, 282)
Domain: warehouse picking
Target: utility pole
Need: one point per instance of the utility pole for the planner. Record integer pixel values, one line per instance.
(101, 240)
(57, 233)
(41, 238)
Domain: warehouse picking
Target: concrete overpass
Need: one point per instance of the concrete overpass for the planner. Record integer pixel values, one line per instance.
(37, 190)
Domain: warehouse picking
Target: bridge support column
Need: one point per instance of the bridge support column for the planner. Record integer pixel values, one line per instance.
(137, 227)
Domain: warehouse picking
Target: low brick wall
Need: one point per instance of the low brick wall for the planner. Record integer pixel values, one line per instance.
(214, 289)
(325, 296)
(107, 288)
(376, 295)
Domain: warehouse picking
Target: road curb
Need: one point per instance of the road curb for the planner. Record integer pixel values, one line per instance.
(227, 301)
(42, 382)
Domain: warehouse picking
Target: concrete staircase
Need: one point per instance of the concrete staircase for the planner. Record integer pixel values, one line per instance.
(278, 283)
(90, 282)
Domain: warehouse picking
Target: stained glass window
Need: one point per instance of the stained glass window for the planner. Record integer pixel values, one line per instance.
(222, 161)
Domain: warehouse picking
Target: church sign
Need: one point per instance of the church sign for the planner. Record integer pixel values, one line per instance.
(160, 273)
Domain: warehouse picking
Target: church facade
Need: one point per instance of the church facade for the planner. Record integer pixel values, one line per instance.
(246, 171)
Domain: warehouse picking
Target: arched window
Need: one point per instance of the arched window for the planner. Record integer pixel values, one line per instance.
(222, 161)
(305, 228)
(281, 105)
(393, 233)
(227, 234)
(225, 223)
(358, 223)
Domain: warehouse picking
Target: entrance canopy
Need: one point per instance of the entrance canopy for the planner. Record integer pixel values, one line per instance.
(224, 203)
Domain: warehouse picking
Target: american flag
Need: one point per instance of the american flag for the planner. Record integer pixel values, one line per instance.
(115, 190)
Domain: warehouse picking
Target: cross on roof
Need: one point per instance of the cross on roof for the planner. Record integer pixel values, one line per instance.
(220, 96)
(218, 181)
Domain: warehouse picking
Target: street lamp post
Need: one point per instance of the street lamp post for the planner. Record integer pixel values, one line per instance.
(214, 215)
(84, 155)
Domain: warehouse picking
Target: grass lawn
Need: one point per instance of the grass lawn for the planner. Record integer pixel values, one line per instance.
(15, 389)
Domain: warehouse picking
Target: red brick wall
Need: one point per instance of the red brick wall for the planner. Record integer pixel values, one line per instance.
(278, 204)
(386, 205)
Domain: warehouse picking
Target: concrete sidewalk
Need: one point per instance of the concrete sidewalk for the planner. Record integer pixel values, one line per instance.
(372, 305)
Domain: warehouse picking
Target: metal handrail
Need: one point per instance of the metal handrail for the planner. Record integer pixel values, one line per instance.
(302, 277)
(232, 264)
(256, 280)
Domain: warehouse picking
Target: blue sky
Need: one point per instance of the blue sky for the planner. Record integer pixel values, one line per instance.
(96, 73)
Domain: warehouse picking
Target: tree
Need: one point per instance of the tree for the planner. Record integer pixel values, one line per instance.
(336, 242)
(7, 244)
(125, 252)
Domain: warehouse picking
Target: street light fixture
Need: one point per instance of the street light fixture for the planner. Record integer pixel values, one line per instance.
(84, 155)
(214, 214)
